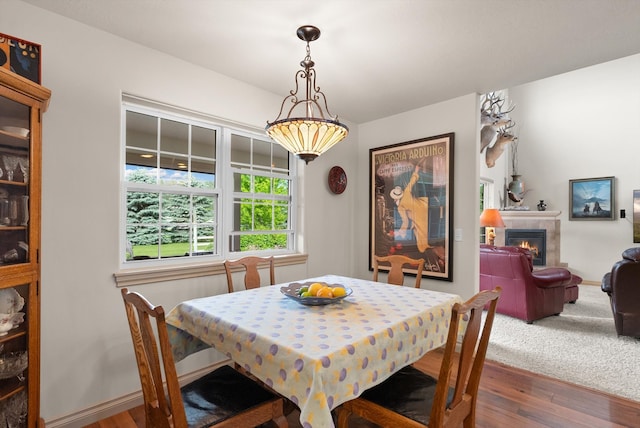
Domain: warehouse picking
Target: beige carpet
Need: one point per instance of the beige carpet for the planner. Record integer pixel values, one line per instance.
(579, 346)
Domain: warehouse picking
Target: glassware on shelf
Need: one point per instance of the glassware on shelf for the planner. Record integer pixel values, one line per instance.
(13, 364)
(23, 210)
(24, 168)
(10, 164)
(6, 324)
(18, 211)
(15, 411)
(4, 212)
(14, 207)
(11, 256)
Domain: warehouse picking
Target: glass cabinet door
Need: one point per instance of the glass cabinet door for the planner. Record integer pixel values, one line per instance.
(16, 380)
(15, 154)
(22, 103)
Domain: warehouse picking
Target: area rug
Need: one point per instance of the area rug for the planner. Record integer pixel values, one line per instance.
(579, 346)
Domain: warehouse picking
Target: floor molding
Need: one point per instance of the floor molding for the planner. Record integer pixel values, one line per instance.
(117, 405)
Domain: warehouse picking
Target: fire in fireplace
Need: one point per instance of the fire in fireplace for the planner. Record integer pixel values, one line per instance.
(535, 240)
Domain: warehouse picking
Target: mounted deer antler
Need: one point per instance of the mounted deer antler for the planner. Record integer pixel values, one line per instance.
(492, 109)
(494, 117)
(505, 136)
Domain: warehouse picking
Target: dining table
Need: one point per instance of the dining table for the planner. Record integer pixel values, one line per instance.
(317, 356)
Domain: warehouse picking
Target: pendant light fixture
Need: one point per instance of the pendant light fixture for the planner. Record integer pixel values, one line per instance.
(305, 131)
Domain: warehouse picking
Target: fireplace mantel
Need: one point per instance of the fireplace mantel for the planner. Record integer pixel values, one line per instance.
(548, 220)
(523, 214)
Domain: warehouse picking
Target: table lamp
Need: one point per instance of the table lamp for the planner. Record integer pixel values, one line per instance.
(490, 219)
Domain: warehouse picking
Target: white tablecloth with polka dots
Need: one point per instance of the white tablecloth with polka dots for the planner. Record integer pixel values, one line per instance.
(317, 356)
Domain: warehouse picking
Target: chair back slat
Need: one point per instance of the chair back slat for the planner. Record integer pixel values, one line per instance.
(395, 268)
(250, 265)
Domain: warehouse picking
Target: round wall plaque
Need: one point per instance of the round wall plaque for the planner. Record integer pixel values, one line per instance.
(337, 180)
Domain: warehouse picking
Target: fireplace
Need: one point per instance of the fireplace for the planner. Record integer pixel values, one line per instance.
(535, 240)
(547, 220)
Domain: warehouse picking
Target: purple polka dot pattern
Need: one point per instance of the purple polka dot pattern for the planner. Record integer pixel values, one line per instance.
(343, 375)
(318, 356)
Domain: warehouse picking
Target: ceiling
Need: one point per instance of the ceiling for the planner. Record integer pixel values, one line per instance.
(375, 58)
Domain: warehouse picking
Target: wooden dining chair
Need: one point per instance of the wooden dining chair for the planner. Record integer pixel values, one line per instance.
(397, 263)
(411, 398)
(224, 398)
(250, 265)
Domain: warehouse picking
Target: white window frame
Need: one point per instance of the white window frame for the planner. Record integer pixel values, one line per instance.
(223, 190)
(487, 202)
(230, 195)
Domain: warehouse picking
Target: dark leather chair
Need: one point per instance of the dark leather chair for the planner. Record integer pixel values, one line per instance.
(622, 285)
(527, 294)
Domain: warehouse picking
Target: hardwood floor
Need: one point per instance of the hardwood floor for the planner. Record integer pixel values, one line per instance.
(508, 398)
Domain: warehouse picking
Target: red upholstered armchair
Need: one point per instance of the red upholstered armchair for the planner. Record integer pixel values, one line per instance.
(526, 294)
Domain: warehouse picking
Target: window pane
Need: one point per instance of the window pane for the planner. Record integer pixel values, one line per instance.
(280, 157)
(174, 137)
(204, 207)
(143, 207)
(261, 184)
(242, 215)
(175, 208)
(240, 149)
(203, 173)
(142, 131)
(260, 242)
(263, 215)
(203, 240)
(280, 186)
(140, 174)
(241, 182)
(139, 157)
(203, 142)
(142, 242)
(175, 241)
(281, 215)
(173, 170)
(262, 154)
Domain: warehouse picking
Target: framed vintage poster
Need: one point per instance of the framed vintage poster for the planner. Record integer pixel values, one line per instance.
(411, 203)
(592, 199)
(21, 57)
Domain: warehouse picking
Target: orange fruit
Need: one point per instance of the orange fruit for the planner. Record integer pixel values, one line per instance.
(338, 291)
(325, 292)
(313, 288)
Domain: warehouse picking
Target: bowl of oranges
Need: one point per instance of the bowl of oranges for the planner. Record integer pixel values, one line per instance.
(315, 293)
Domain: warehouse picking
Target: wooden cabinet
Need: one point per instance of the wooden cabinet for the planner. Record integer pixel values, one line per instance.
(22, 104)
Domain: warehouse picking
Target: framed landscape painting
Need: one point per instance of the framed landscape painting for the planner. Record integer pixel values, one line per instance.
(592, 199)
(411, 203)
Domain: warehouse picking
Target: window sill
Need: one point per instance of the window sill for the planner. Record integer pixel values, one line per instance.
(170, 273)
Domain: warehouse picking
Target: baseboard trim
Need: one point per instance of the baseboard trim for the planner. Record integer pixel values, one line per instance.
(109, 408)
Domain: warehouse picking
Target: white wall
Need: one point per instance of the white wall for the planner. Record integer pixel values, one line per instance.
(583, 124)
(459, 116)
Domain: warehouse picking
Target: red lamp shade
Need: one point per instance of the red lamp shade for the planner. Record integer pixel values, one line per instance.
(491, 217)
